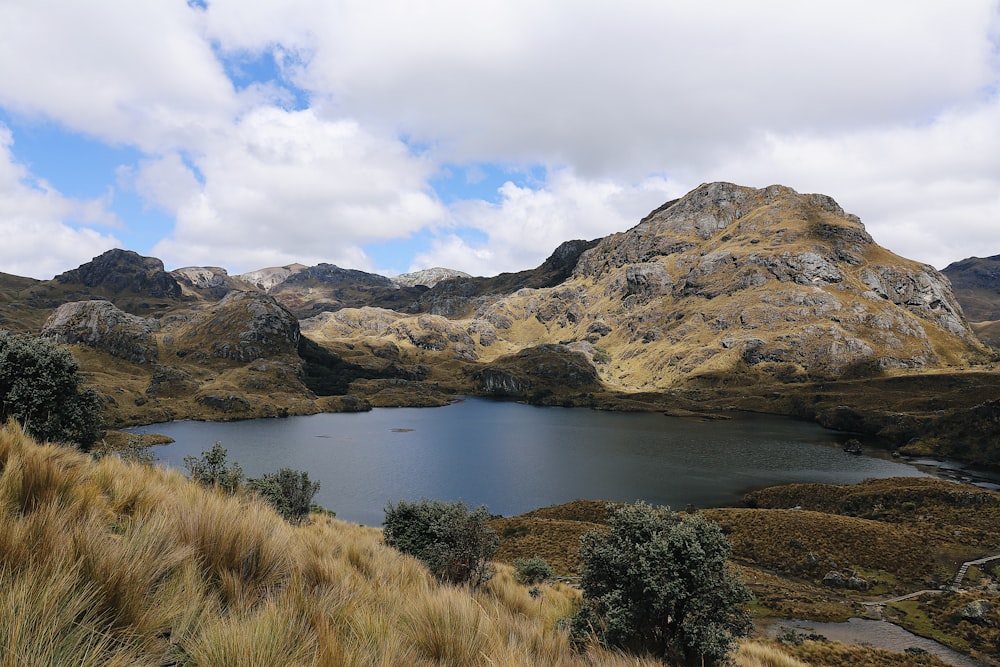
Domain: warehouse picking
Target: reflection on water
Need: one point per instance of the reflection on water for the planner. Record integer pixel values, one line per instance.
(515, 458)
(879, 634)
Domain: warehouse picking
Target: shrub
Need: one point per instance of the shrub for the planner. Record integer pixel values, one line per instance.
(455, 543)
(658, 583)
(41, 388)
(212, 469)
(289, 491)
(532, 570)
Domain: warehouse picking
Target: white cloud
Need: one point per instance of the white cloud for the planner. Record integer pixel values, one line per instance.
(529, 223)
(638, 86)
(885, 106)
(37, 240)
(291, 186)
(136, 73)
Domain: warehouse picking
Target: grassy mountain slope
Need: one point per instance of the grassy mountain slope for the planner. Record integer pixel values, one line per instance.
(900, 535)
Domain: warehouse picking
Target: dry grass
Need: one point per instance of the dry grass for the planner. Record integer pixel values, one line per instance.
(114, 563)
(111, 563)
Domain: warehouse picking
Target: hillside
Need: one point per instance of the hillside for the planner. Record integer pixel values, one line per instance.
(976, 282)
(820, 552)
(722, 280)
(111, 563)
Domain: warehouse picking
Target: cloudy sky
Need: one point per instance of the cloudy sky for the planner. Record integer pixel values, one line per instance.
(392, 135)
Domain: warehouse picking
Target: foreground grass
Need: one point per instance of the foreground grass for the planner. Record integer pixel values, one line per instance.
(112, 563)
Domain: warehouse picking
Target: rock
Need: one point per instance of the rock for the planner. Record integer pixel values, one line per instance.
(202, 277)
(124, 271)
(270, 277)
(976, 612)
(544, 368)
(223, 402)
(101, 325)
(428, 277)
(834, 579)
(243, 326)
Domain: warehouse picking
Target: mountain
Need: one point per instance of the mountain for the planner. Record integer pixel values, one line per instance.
(727, 284)
(976, 282)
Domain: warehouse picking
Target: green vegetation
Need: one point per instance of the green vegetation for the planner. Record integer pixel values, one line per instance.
(454, 542)
(289, 491)
(658, 583)
(213, 470)
(533, 570)
(41, 388)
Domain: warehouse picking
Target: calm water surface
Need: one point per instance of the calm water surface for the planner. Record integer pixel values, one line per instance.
(515, 458)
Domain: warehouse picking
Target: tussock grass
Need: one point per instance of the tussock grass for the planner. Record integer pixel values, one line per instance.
(115, 563)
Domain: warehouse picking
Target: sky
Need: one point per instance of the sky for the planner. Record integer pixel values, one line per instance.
(392, 135)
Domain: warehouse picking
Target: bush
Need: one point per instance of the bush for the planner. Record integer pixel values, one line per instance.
(289, 491)
(41, 388)
(658, 583)
(212, 469)
(455, 543)
(532, 570)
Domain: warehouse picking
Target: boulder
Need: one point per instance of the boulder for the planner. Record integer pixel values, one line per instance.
(103, 326)
(976, 612)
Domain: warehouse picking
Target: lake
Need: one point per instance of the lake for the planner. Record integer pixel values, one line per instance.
(514, 457)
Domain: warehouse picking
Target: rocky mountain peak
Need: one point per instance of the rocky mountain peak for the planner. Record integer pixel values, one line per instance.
(124, 271)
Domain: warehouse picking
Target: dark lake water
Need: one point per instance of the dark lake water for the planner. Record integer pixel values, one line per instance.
(515, 458)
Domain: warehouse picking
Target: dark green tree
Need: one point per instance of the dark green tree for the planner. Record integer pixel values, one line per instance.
(289, 491)
(212, 469)
(533, 570)
(658, 583)
(41, 387)
(454, 542)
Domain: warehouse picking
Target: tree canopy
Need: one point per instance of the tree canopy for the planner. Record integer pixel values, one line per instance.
(658, 583)
(41, 387)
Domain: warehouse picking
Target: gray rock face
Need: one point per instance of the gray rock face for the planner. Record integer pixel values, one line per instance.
(101, 325)
(926, 293)
(502, 383)
(852, 582)
(202, 277)
(125, 271)
(267, 278)
(976, 612)
(243, 326)
(428, 277)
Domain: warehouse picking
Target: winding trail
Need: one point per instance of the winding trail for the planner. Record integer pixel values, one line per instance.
(955, 584)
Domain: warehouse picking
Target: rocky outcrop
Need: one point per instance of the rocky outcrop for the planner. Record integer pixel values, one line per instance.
(538, 371)
(211, 282)
(784, 282)
(242, 327)
(101, 325)
(428, 277)
(431, 333)
(265, 279)
(124, 271)
(461, 297)
(977, 612)
(852, 582)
